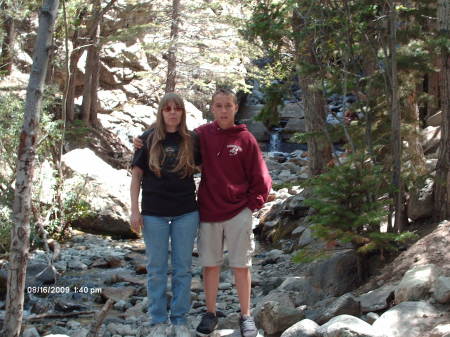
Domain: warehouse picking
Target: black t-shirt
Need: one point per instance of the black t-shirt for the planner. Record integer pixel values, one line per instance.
(168, 195)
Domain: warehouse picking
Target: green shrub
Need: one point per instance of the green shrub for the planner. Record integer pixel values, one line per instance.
(350, 202)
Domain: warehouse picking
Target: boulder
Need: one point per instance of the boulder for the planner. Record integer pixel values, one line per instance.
(442, 330)
(420, 203)
(412, 319)
(435, 120)
(258, 129)
(306, 238)
(110, 99)
(377, 299)
(30, 332)
(335, 275)
(322, 311)
(416, 283)
(442, 289)
(275, 317)
(346, 325)
(431, 136)
(120, 55)
(292, 110)
(304, 328)
(108, 193)
(249, 111)
(346, 304)
(293, 125)
(304, 292)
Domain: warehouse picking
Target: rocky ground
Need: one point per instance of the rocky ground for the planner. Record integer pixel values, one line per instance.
(409, 297)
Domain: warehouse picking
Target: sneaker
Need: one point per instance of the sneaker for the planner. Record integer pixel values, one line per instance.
(159, 330)
(207, 324)
(182, 331)
(248, 327)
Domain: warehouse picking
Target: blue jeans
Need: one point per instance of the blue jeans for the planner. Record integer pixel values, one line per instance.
(182, 231)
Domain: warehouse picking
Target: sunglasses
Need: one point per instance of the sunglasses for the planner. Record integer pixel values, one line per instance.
(169, 109)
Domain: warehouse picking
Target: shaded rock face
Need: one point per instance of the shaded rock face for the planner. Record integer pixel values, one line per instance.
(275, 317)
(346, 325)
(416, 283)
(337, 274)
(108, 194)
(412, 319)
(420, 203)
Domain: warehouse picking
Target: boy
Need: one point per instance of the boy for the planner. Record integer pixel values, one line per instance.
(235, 182)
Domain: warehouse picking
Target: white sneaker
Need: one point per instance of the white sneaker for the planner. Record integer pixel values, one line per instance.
(159, 330)
(182, 330)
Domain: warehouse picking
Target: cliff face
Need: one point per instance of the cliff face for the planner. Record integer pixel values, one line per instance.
(134, 42)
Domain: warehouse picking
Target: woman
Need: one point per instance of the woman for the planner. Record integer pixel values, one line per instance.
(164, 168)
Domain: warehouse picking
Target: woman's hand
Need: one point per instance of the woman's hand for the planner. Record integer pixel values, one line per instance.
(138, 143)
(136, 222)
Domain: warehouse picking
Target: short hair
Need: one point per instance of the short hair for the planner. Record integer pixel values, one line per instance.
(227, 92)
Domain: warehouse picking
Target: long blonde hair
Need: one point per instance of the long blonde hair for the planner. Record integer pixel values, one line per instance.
(185, 159)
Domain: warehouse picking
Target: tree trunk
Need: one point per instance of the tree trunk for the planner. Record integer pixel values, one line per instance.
(90, 84)
(20, 233)
(442, 183)
(414, 149)
(94, 85)
(70, 107)
(172, 56)
(6, 57)
(433, 90)
(314, 102)
(73, 61)
(87, 97)
(396, 141)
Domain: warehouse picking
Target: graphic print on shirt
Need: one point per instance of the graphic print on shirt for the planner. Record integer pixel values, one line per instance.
(233, 150)
(171, 153)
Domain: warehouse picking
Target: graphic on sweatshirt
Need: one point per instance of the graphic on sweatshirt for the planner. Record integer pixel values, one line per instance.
(234, 149)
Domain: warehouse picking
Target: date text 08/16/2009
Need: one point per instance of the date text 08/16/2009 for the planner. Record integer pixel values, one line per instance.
(63, 290)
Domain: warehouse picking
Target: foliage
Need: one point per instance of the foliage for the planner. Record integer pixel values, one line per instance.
(74, 206)
(350, 202)
(269, 114)
(48, 139)
(308, 256)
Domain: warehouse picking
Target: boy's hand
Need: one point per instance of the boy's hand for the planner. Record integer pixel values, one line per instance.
(138, 143)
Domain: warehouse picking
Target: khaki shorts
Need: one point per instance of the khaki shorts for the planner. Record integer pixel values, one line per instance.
(236, 233)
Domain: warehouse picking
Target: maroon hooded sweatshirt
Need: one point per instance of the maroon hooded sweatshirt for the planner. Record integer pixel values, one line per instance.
(234, 174)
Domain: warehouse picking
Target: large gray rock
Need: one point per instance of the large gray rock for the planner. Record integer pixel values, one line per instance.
(435, 120)
(420, 203)
(304, 292)
(346, 326)
(412, 319)
(416, 283)
(345, 305)
(258, 129)
(442, 289)
(304, 328)
(108, 194)
(335, 275)
(292, 110)
(249, 111)
(377, 299)
(442, 330)
(306, 238)
(275, 317)
(431, 136)
(294, 125)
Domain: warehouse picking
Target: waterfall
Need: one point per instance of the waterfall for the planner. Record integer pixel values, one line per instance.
(275, 140)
